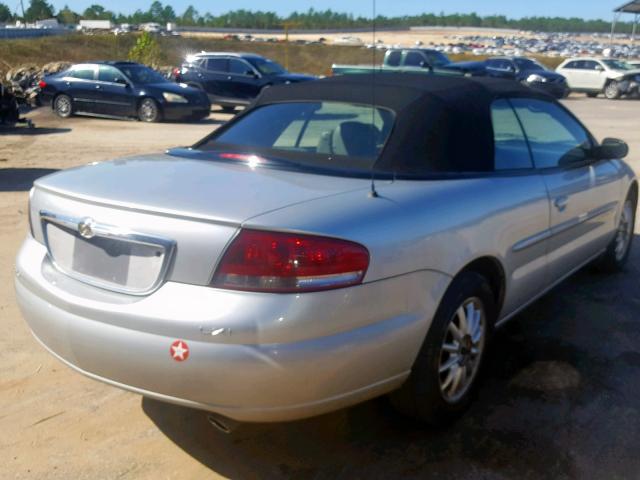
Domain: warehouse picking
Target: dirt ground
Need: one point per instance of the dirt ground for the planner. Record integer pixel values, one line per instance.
(560, 397)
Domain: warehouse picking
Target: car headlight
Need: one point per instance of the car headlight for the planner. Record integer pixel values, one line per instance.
(174, 98)
(535, 78)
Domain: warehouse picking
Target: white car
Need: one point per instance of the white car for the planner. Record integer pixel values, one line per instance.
(593, 76)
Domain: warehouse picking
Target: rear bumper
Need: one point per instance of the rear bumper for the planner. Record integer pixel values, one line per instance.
(557, 90)
(178, 111)
(248, 357)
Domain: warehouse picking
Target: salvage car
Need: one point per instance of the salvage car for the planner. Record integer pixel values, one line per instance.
(125, 89)
(593, 76)
(323, 247)
(233, 79)
(530, 73)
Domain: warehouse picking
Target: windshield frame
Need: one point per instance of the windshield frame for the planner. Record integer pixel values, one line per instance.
(257, 62)
(134, 81)
(528, 64)
(612, 64)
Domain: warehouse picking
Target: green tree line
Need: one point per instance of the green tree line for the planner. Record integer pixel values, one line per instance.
(311, 19)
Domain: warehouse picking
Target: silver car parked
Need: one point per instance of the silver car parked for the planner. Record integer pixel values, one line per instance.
(338, 240)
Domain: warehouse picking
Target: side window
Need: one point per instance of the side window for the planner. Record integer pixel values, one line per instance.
(216, 64)
(573, 65)
(590, 65)
(82, 73)
(511, 149)
(414, 59)
(109, 74)
(555, 137)
(238, 67)
(394, 58)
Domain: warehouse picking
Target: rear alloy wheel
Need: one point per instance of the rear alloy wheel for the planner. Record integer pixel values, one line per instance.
(461, 350)
(612, 90)
(148, 111)
(617, 253)
(63, 106)
(446, 370)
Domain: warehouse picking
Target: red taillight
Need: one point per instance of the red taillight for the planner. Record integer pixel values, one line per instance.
(260, 261)
(42, 84)
(176, 72)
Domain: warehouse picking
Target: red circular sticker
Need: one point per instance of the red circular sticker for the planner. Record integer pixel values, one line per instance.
(179, 351)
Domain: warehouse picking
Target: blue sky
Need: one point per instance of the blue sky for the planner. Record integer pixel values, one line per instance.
(511, 8)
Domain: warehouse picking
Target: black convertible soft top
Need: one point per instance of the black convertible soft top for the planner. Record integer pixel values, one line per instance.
(443, 124)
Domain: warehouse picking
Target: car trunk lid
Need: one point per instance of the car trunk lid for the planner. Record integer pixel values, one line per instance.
(128, 225)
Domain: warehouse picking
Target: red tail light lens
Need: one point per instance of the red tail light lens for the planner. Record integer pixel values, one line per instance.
(260, 261)
(176, 72)
(42, 84)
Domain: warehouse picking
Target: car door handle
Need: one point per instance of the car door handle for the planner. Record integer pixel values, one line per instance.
(229, 77)
(98, 87)
(561, 203)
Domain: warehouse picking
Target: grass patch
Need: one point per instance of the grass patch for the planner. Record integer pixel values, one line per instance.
(313, 59)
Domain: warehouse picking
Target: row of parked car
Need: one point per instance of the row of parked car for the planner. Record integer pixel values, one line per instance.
(611, 77)
(236, 79)
(129, 89)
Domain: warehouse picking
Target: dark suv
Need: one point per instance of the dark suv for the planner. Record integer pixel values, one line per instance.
(233, 79)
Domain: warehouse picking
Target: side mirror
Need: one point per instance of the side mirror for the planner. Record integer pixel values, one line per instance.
(251, 73)
(599, 68)
(611, 149)
(426, 65)
(122, 81)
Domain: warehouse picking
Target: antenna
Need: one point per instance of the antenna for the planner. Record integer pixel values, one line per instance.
(373, 193)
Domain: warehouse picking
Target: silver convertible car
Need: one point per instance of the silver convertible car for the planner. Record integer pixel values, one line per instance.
(339, 240)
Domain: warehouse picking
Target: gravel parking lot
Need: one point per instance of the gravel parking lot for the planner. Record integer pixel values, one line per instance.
(560, 397)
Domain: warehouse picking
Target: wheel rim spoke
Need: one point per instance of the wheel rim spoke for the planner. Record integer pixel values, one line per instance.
(450, 363)
(461, 349)
(457, 335)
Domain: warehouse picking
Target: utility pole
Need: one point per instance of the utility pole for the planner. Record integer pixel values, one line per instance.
(286, 26)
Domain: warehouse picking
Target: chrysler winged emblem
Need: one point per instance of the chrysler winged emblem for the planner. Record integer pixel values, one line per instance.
(85, 228)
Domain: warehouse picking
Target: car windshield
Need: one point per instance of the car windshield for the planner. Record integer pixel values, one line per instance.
(528, 64)
(140, 74)
(617, 65)
(266, 66)
(310, 135)
(437, 59)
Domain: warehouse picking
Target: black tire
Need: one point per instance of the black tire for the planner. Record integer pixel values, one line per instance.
(592, 94)
(229, 109)
(612, 90)
(149, 111)
(63, 106)
(615, 257)
(422, 395)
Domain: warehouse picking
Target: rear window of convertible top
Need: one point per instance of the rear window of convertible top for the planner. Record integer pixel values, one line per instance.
(309, 135)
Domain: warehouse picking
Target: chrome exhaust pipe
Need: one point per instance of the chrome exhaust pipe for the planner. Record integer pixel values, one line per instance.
(223, 424)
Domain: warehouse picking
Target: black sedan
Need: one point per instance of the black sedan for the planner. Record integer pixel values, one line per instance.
(233, 79)
(529, 73)
(125, 89)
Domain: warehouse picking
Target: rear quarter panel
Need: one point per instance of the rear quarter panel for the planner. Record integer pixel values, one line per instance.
(439, 225)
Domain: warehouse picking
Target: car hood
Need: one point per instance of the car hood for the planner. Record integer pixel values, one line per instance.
(295, 77)
(171, 87)
(465, 66)
(543, 73)
(200, 189)
(627, 73)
